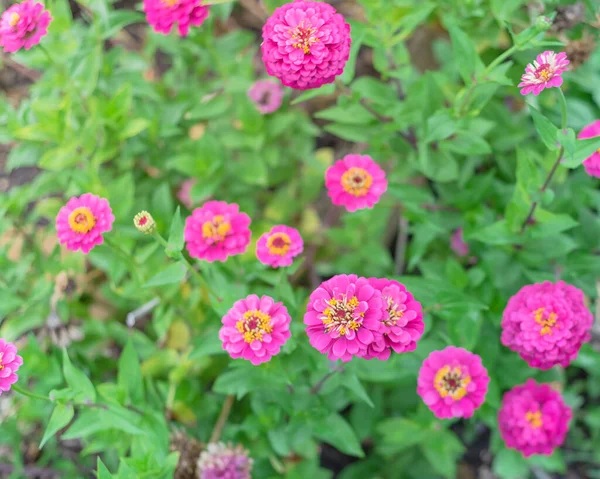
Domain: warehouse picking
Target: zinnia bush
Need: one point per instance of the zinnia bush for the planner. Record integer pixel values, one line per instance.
(299, 239)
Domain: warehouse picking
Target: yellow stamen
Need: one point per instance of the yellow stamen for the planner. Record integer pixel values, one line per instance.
(14, 19)
(304, 36)
(216, 229)
(357, 181)
(254, 324)
(451, 382)
(547, 323)
(279, 244)
(81, 220)
(534, 419)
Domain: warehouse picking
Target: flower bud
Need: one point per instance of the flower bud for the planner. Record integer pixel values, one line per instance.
(543, 23)
(144, 222)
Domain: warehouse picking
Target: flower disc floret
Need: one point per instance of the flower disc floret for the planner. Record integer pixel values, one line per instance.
(163, 14)
(355, 182)
(533, 419)
(305, 44)
(216, 231)
(255, 329)
(453, 382)
(82, 221)
(23, 25)
(279, 246)
(343, 317)
(546, 323)
(592, 162)
(544, 72)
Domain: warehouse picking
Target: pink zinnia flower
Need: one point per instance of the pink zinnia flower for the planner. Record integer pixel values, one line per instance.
(533, 419)
(81, 222)
(267, 95)
(23, 25)
(546, 323)
(279, 246)
(544, 72)
(457, 243)
(10, 362)
(592, 162)
(343, 317)
(306, 44)
(453, 382)
(224, 461)
(355, 182)
(401, 323)
(163, 14)
(216, 231)
(184, 192)
(255, 329)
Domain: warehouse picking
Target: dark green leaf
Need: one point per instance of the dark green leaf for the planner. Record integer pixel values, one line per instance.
(567, 139)
(78, 380)
(336, 431)
(352, 382)
(545, 128)
(171, 275)
(130, 374)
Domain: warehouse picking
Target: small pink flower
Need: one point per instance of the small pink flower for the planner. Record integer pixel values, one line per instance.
(267, 95)
(184, 193)
(10, 362)
(163, 14)
(224, 461)
(545, 72)
(533, 419)
(255, 329)
(401, 323)
(305, 44)
(216, 231)
(546, 323)
(23, 25)
(453, 382)
(457, 243)
(592, 162)
(355, 182)
(343, 317)
(279, 246)
(82, 221)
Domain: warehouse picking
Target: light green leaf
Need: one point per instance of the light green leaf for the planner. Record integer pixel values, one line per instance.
(102, 472)
(130, 374)
(61, 416)
(510, 464)
(91, 421)
(440, 126)
(567, 139)
(134, 127)
(465, 54)
(442, 449)
(336, 431)
(77, 380)
(176, 233)
(328, 89)
(171, 275)
(583, 149)
(399, 434)
(352, 382)
(545, 128)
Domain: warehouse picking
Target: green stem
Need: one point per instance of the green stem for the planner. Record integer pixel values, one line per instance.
(133, 266)
(16, 388)
(65, 73)
(563, 108)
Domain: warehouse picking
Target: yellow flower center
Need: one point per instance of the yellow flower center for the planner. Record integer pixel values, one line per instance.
(169, 3)
(279, 243)
(357, 181)
(1, 365)
(451, 382)
(14, 19)
(304, 36)
(340, 315)
(544, 72)
(393, 312)
(254, 324)
(81, 220)
(534, 419)
(216, 229)
(546, 321)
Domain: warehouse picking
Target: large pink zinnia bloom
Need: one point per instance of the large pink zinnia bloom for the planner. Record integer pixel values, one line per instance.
(546, 323)
(355, 182)
(82, 221)
(163, 14)
(255, 329)
(306, 44)
(267, 95)
(23, 25)
(279, 246)
(592, 162)
(544, 72)
(401, 323)
(216, 231)
(533, 419)
(343, 317)
(10, 362)
(453, 382)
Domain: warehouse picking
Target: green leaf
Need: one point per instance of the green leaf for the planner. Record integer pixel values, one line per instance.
(25, 154)
(545, 128)
(358, 33)
(526, 186)
(440, 126)
(91, 421)
(134, 127)
(78, 380)
(567, 139)
(212, 108)
(510, 464)
(442, 449)
(497, 233)
(465, 143)
(465, 54)
(102, 472)
(242, 380)
(336, 431)
(399, 434)
(328, 89)
(352, 382)
(61, 416)
(583, 149)
(119, 19)
(172, 274)
(176, 233)
(130, 374)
